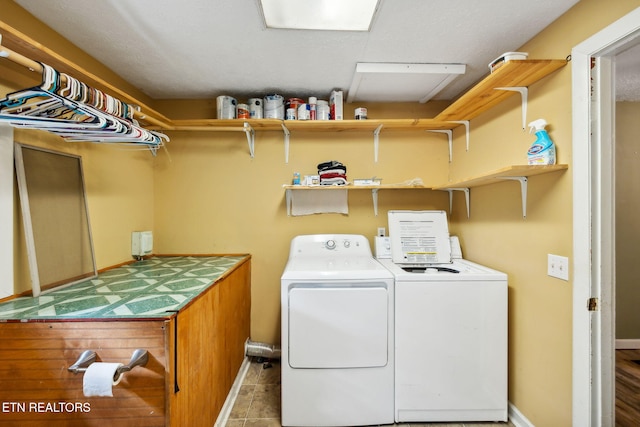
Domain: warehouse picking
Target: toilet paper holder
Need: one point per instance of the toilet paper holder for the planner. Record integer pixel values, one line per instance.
(86, 358)
(140, 357)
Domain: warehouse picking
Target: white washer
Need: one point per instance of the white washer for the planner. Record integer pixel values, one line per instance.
(337, 334)
(450, 328)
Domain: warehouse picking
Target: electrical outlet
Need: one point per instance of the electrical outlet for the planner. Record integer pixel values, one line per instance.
(558, 266)
(381, 231)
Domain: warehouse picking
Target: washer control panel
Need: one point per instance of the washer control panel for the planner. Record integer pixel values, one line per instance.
(335, 244)
(332, 244)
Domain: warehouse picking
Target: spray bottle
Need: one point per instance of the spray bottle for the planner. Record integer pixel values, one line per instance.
(542, 151)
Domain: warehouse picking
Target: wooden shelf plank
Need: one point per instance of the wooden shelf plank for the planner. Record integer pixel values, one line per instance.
(497, 175)
(483, 96)
(314, 125)
(366, 125)
(221, 125)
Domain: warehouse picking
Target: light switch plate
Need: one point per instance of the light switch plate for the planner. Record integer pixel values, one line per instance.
(558, 266)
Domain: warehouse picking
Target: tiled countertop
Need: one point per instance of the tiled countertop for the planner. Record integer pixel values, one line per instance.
(154, 288)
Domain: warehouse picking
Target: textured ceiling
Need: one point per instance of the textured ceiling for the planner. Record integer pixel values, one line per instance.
(204, 48)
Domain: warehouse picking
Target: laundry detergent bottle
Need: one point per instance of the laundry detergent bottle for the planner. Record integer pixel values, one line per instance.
(543, 150)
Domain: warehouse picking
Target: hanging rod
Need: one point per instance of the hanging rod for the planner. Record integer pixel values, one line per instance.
(35, 66)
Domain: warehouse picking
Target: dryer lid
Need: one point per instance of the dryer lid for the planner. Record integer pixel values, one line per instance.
(419, 237)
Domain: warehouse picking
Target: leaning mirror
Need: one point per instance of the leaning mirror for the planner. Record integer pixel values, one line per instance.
(55, 217)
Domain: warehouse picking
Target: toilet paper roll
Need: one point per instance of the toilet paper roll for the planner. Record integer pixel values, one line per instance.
(98, 379)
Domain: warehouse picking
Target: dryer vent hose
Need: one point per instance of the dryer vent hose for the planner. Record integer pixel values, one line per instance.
(258, 349)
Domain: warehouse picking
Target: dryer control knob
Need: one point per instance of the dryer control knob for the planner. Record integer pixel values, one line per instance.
(330, 244)
(347, 243)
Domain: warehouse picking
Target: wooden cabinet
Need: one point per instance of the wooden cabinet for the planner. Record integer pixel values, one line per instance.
(194, 356)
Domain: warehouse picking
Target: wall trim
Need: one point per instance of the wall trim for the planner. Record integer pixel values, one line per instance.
(517, 418)
(223, 417)
(628, 344)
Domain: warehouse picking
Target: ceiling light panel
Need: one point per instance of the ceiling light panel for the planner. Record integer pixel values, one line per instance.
(391, 82)
(337, 15)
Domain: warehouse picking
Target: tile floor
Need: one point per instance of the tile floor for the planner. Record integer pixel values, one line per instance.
(258, 401)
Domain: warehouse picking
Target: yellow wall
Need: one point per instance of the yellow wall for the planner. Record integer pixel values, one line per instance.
(211, 197)
(627, 228)
(208, 196)
(540, 307)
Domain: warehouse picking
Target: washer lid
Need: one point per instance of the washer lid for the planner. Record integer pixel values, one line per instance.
(466, 271)
(419, 237)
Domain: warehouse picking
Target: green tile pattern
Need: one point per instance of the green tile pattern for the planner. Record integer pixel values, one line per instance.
(152, 288)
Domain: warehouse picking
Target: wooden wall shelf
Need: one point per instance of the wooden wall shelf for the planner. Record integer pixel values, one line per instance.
(480, 98)
(483, 96)
(515, 75)
(519, 173)
(312, 125)
(500, 174)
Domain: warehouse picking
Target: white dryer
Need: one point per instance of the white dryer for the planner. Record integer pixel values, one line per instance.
(337, 334)
(450, 326)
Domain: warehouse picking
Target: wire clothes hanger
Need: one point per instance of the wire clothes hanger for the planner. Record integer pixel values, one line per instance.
(76, 112)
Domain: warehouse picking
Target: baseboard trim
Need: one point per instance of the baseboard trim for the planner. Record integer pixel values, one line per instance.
(517, 418)
(223, 417)
(628, 344)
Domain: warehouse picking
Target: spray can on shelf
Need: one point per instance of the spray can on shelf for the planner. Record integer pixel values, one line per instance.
(543, 150)
(313, 107)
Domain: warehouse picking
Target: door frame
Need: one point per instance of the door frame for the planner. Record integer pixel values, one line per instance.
(593, 220)
(6, 211)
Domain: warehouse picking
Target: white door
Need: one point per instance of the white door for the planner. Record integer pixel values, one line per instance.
(338, 327)
(593, 226)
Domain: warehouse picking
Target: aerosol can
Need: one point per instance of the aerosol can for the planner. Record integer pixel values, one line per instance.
(542, 151)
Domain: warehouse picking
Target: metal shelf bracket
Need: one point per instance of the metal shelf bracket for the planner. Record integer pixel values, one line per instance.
(523, 191)
(288, 195)
(374, 195)
(449, 133)
(466, 126)
(287, 135)
(524, 92)
(251, 138)
(376, 143)
(466, 191)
